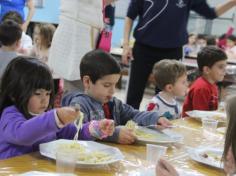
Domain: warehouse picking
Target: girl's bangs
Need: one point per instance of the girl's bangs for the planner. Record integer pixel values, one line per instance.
(43, 81)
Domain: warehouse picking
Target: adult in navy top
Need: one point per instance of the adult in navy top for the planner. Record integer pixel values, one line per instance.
(18, 6)
(160, 33)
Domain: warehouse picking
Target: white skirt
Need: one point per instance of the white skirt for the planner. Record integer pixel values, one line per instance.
(71, 41)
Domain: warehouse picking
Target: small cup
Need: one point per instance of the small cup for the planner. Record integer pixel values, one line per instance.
(209, 125)
(154, 152)
(66, 161)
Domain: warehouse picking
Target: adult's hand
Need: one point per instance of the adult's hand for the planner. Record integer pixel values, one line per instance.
(126, 55)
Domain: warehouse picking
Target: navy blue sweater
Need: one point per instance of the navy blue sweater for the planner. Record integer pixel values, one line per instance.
(163, 23)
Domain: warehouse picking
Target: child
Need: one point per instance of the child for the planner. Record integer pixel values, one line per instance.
(171, 79)
(26, 41)
(10, 35)
(100, 74)
(26, 115)
(203, 93)
(43, 34)
(231, 47)
(191, 49)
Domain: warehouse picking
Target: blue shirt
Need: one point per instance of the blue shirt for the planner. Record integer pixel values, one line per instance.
(12, 5)
(163, 23)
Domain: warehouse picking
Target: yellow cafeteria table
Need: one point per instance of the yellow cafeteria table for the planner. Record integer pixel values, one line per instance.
(134, 156)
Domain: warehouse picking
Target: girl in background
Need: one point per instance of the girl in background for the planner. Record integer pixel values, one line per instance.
(43, 34)
(27, 117)
(42, 37)
(80, 24)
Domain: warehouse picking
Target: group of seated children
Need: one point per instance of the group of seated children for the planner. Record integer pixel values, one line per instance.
(27, 95)
(27, 92)
(26, 104)
(171, 78)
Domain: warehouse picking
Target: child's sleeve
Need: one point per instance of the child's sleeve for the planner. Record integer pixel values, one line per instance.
(69, 131)
(17, 130)
(142, 118)
(114, 137)
(152, 107)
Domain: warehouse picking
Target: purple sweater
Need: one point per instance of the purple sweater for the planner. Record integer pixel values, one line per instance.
(19, 136)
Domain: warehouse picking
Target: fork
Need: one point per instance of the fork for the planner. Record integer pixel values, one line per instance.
(78, 122)
(154, 125)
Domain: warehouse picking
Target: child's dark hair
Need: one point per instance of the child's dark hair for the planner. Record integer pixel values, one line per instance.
(13, 15)
(22, 77)
(211, 40)
(201, 36)
(209, 55)
(232, 38)
(167, 72)
(10, 32)
(97, 64)
(231, 129)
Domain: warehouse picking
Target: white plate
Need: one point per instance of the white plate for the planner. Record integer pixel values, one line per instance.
(196, 155)
(49, 150)
(221, 130)
(151, 172)
(160, 137)
(207, 114)
(37, 173)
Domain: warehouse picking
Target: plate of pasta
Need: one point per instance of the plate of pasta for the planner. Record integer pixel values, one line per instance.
(89, 152)
(146, 135)
(216, 115)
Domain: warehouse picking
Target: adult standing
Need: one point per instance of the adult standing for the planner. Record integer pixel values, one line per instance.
(160, 33)
(18, 6)
(79, 27)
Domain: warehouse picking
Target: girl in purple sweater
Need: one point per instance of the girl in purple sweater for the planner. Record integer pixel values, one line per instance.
(26, 115)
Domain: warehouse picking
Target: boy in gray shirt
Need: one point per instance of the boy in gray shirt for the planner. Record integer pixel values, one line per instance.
(10, 35)
(100, 73)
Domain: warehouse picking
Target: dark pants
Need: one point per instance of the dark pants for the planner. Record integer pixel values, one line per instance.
(144, 59)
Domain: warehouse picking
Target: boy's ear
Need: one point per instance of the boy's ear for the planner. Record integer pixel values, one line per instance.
(169, 87)
(17, 43)
(86, 82)
(206, 69)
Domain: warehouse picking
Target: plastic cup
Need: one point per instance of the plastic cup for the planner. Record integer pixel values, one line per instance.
(209, 125)
(66, 161)
(154, 153)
